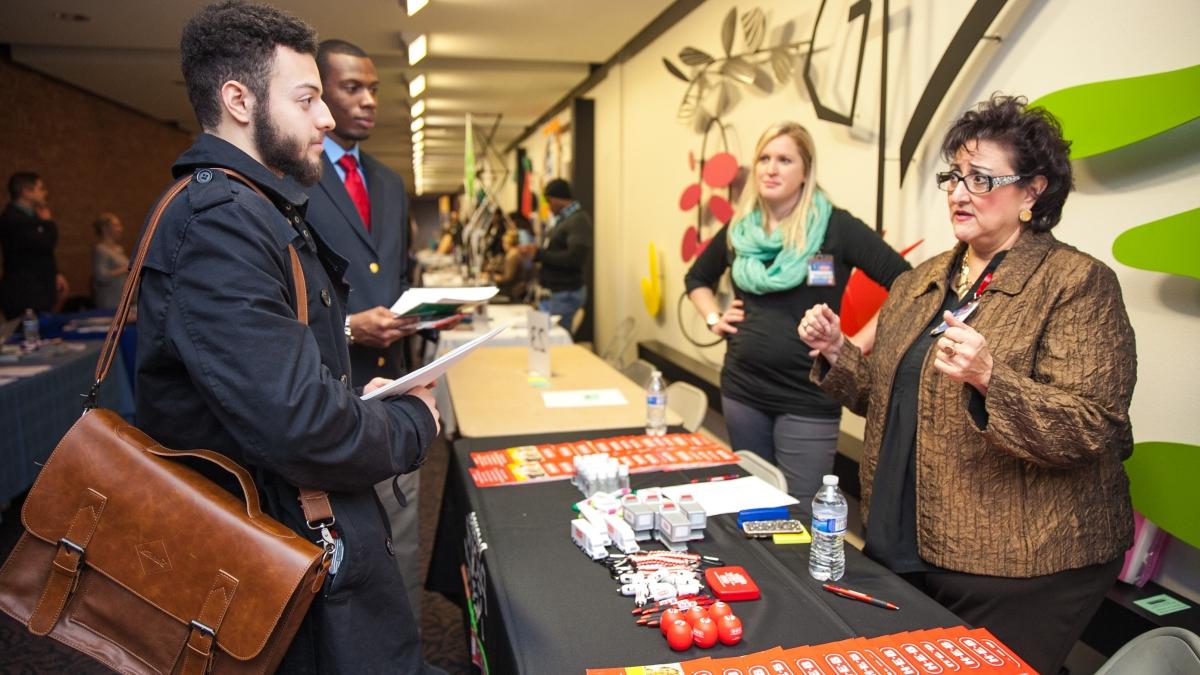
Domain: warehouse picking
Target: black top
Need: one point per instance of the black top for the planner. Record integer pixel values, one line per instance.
(766, 364)
(891, 536)
(27, 244)
(568, 252)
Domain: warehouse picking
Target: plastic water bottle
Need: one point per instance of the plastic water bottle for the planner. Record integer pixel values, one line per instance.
(826, 557)
(29, 326)
(656, 405)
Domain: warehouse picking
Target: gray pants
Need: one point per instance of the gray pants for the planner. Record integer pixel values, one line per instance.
(802, 447)
(406, 533)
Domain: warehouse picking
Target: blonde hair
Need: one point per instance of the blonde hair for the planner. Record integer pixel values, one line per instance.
(102, 221)
(793, 226)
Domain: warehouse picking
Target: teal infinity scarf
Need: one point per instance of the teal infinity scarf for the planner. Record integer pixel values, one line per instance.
(754, 247)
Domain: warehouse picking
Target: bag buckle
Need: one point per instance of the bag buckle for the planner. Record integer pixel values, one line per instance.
(89, 399)
(209, 633)
(74, 548)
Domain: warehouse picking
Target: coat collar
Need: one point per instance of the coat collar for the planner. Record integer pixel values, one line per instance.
(1019, 265)
(335, 190)
(211, 151)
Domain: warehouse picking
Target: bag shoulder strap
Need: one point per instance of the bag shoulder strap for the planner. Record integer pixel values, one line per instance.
(315, 503)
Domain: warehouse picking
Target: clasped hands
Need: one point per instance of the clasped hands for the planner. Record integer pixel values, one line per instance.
(962, 353)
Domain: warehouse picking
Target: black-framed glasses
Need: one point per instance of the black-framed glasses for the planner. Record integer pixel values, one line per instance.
(977, 183)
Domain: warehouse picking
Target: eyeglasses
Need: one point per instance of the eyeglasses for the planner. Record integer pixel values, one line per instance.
(977, 183)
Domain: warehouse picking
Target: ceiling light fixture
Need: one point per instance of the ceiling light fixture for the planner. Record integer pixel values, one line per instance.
(414, 6)
(417, 124)
(418, 136)
(416, 86)
(417, 50)
(418, 108)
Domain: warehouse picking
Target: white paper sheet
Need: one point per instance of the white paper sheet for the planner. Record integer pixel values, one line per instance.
(428, 374)
(731, 496)
(415, 297)
(583, 398)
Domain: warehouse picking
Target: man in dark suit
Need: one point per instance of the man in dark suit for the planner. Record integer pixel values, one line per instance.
(27, 240)
(360, 208)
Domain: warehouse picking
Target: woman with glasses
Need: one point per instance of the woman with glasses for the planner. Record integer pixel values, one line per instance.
(997, 399)
(789, 248)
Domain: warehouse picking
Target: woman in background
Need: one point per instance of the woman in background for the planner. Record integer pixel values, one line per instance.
(110, 263)
(512, 277)
(997, 399)
(789, 248)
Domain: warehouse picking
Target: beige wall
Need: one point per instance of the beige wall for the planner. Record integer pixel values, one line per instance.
(642, 159)
(94, 156)
(642, 153)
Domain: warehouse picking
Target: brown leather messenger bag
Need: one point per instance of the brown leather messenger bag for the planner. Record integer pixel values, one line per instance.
(144, 564)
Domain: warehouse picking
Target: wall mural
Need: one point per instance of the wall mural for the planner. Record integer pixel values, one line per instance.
(1101, 117)
(714, 86)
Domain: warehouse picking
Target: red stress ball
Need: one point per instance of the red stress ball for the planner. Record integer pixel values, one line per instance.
(695, 614)
(719, 609)
(729, 629)
(679, 635)
(669, 616)
(704, 632)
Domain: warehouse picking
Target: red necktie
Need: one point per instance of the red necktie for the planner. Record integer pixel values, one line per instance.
(356, 188)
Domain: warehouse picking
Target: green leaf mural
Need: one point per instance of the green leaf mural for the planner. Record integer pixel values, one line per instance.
(1162, 482)
(1102, 116)
(1168, 245)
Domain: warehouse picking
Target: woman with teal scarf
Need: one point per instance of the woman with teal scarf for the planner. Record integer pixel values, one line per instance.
(789, 248)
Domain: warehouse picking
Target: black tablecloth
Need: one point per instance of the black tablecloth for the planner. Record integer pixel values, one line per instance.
(548, 609)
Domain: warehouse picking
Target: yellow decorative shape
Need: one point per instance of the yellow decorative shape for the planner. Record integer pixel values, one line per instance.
(374, 268)
(652, 286)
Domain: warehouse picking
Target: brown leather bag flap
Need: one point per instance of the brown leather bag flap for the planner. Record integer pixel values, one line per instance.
(166, 532)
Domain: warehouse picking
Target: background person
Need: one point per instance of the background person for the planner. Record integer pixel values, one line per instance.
(789, 248)
(512, 277)
(110, 262)
(28, 236)
(566, 256)
(992, 475)
(360, 208)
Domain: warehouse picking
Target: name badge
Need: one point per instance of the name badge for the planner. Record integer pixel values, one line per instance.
(820, 270)
(961, 314)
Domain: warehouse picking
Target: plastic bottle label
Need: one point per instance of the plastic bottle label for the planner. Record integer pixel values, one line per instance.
(830, 525)
(656, 399)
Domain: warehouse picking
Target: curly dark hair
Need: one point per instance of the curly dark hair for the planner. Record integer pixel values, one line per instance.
(1033, 136)
(236, 40)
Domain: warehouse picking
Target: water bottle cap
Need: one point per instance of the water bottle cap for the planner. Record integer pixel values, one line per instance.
(829, 479)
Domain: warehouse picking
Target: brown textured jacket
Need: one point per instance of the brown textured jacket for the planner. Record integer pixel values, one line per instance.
(1040, 488)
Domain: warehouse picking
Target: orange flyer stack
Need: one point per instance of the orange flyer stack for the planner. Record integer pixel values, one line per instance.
(936, 651)
(555, 461)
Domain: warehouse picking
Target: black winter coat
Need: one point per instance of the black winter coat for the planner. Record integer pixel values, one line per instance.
(224, 364)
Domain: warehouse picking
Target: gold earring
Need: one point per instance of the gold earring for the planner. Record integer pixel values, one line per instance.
(1025, 215)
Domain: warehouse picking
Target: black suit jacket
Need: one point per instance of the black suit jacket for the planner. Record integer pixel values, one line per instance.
(27, 244)
(378, 270)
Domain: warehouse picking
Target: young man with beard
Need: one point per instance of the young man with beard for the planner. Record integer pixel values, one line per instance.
(360, 208)
(225, 364)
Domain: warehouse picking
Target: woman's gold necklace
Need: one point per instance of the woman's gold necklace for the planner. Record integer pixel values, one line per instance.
(964, 275)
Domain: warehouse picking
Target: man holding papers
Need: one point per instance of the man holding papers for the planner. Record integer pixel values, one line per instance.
(360, 208)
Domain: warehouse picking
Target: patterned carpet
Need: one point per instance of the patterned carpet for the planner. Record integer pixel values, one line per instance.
(441, 627)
